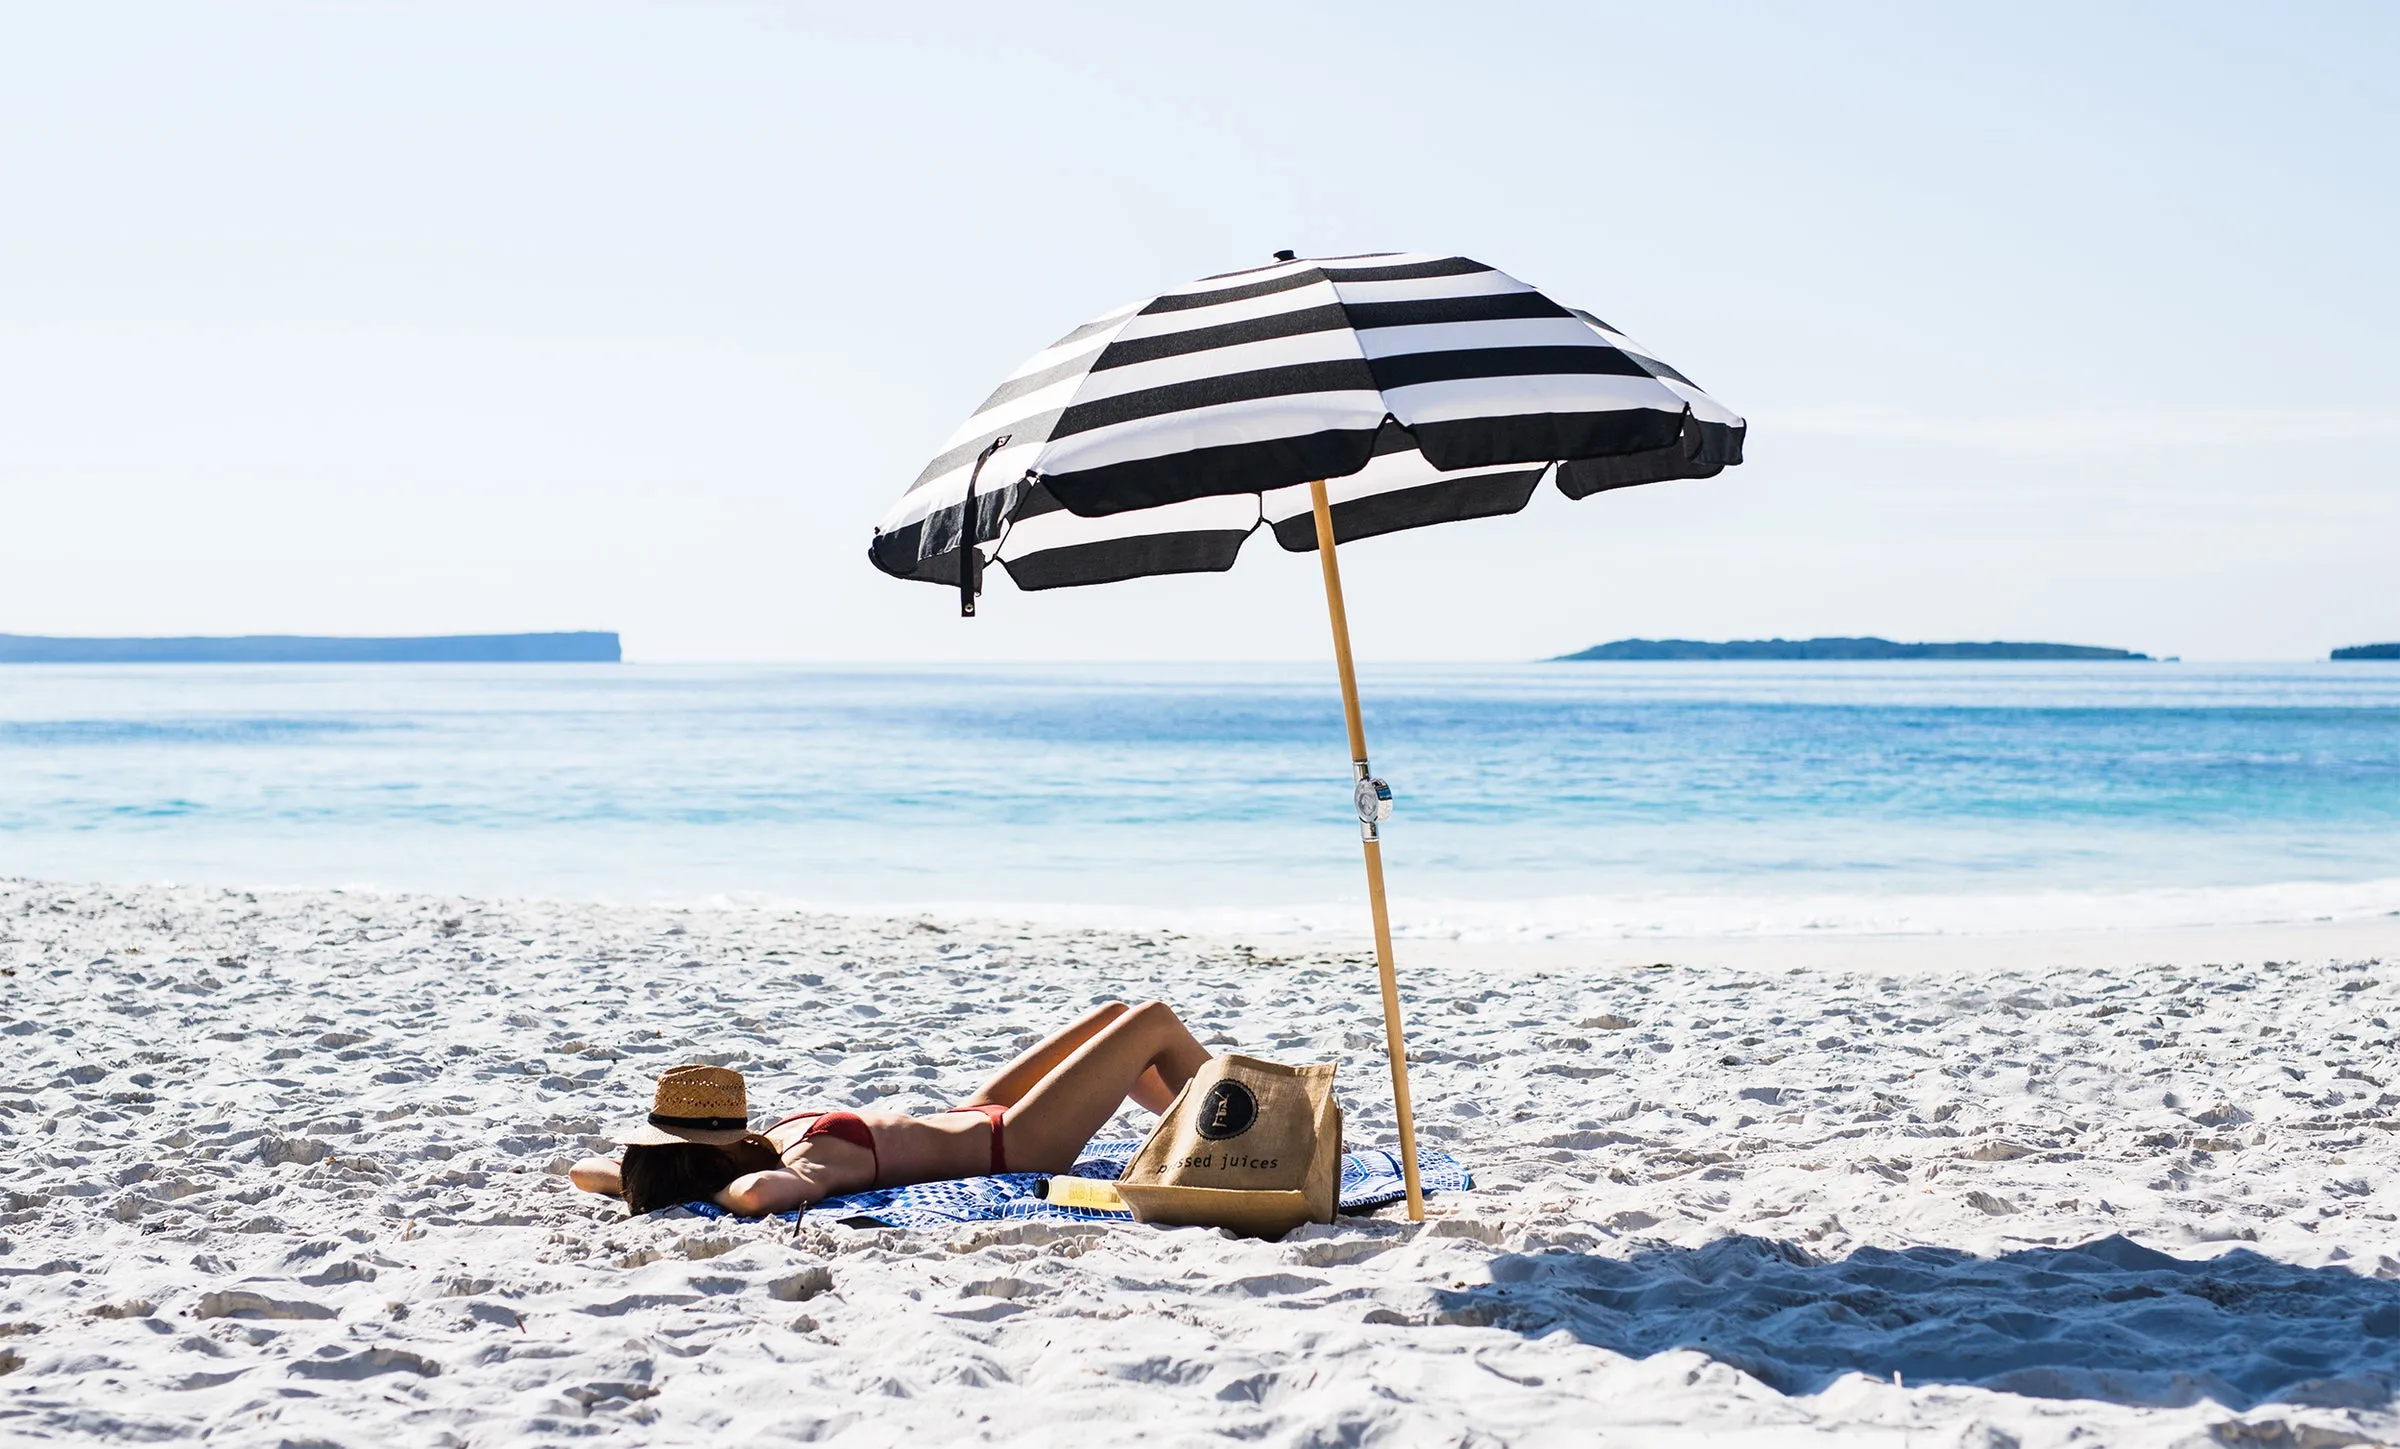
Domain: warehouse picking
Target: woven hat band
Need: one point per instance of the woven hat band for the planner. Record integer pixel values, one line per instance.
(701, 1124)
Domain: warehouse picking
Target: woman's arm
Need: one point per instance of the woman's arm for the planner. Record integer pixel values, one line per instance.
(756, 1194)
(751, 1195)
(818, 1168)
(598, 1174)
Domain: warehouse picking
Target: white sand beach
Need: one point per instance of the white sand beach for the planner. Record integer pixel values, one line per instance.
(288, 1169)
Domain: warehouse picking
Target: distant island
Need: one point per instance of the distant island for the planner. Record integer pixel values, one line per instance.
(583, 647)
(2369, 651)
(1655, 649)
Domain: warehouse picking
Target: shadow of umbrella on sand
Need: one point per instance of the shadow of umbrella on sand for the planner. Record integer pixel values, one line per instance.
(2107, 1320)
(1330, 399)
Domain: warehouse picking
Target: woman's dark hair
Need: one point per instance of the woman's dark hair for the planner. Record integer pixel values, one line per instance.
(671, 1174)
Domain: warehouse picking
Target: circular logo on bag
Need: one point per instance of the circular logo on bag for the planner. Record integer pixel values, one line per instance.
(1227, 1111)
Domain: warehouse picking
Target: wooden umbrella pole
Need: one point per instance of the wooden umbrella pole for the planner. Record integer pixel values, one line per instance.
(1395, 1045)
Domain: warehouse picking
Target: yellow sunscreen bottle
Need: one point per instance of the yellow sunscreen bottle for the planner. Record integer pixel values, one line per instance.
(1083, 1192)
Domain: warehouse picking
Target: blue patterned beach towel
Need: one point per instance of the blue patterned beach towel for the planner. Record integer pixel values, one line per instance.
(1370, 1179)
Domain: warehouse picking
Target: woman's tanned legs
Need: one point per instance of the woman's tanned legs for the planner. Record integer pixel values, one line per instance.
(1144, 1052)
(1151, 1092)
(1013, 1081)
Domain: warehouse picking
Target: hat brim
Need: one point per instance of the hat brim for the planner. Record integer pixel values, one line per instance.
(646, 1134)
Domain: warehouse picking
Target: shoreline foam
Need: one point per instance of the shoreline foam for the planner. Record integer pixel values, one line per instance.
(2367, 912)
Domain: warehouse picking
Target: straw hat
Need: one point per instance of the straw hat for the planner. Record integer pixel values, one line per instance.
(708, 1105)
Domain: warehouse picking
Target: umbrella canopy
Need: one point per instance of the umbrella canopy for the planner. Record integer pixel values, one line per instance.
(1331, 399)
(1156, 439)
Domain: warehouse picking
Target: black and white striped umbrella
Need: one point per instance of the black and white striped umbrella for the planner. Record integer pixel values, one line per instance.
(1331, 399)
(1424, 389)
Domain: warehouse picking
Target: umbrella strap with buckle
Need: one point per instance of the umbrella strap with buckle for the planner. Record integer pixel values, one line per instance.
(970, 562)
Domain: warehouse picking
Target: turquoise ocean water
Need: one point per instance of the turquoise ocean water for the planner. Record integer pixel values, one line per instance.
(1533, 799)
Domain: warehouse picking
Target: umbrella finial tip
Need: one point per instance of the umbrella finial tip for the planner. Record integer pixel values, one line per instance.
(1285, 256)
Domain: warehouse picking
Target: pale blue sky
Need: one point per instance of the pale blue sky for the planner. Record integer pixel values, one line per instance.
(2066, 322)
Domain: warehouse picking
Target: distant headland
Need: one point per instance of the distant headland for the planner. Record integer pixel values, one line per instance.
(2369, 651)
(583, 647)
(1656, 649)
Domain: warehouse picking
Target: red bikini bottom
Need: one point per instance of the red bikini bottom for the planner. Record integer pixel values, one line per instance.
(992, 1113)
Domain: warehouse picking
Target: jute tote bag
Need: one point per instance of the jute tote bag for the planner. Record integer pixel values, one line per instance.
(1250, 1145)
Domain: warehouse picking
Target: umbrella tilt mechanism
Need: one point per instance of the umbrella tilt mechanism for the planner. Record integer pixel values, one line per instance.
(1374, 802)
(1374, 807)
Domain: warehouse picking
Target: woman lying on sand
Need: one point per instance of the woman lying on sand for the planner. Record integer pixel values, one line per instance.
(1033, 1116)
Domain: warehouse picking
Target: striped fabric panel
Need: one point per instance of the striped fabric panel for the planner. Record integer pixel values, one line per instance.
(918, 538)
(1427, 388)
(1484, 370)
(1707, 409)
(1210, 390)
(1397, 490)
(1709, 442)
(1058, 549)
(1287, 373)
(1026, 406)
